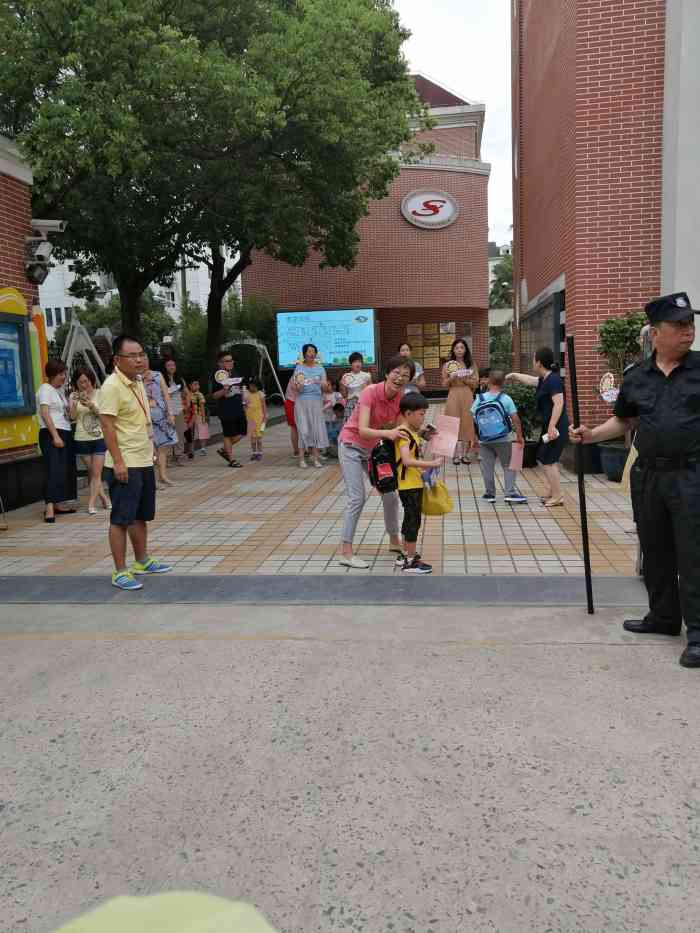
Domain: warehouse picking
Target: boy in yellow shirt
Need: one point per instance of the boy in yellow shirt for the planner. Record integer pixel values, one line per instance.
(410, 479)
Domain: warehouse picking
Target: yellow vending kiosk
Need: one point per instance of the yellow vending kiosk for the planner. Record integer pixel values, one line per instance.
(22, 360)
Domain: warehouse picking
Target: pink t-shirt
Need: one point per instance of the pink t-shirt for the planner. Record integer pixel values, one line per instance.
(383, 413)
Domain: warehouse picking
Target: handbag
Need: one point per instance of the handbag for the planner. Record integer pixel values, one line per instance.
(436, 499)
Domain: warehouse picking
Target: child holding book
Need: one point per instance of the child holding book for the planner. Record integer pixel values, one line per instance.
(410, 479)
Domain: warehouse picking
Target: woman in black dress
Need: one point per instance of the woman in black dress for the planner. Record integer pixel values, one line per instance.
(555, 421)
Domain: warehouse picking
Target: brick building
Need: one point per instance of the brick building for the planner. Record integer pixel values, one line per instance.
(605, 134)
(415, 277)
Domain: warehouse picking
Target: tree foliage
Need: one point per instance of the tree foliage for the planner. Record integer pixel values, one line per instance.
(501, 347)
(619, 340)
(159, 128)
(501, 294)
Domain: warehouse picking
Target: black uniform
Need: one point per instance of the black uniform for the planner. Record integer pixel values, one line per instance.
(665, 485)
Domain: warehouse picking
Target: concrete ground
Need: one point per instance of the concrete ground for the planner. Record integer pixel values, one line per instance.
(448, 768)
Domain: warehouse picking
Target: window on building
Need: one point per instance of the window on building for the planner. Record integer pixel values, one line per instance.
(59, 318)
(69, 314)
(48, 315)
(541, 327)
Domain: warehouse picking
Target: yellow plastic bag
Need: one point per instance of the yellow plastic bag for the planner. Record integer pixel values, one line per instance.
(437, 500)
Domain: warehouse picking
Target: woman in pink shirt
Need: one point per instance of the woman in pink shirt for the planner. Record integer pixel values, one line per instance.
(373, 419)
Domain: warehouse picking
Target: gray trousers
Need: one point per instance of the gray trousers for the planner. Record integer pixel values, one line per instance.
(489, 453)
(353, 464)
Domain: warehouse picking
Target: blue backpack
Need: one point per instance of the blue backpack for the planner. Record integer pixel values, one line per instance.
(491, 420)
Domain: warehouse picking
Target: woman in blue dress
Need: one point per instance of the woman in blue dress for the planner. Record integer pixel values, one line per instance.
(310, 382)
(555, 421)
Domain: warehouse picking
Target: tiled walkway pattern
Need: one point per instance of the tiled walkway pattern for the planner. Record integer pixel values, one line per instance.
(272, 518)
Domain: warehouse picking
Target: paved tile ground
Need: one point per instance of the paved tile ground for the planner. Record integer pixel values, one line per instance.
(273, 518)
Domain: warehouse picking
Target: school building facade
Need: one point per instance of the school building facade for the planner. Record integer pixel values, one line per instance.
(605, 141)
(422, 261)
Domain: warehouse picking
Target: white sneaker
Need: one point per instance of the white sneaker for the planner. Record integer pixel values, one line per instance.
(317, 463)
(354, 562)
(303, 465)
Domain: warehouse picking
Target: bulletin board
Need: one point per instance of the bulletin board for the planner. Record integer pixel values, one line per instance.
(431, 343)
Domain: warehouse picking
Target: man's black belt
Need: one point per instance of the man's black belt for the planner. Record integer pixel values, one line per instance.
(667, 464)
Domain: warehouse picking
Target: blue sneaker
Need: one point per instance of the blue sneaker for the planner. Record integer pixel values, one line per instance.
(150, 565)
(516, 498)
(124, 580)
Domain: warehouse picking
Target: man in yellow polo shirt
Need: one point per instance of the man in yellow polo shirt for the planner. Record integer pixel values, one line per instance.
(126, 424)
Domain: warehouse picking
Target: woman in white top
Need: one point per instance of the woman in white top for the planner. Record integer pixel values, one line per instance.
(88, 441)
(354, 382)
(56, 443)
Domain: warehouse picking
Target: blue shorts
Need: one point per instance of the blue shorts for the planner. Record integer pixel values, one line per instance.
(135, 500)
(88, 448)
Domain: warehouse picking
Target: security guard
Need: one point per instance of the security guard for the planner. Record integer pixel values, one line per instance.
(662, 394)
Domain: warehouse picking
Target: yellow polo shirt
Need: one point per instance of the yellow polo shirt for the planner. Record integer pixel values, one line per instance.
(128, 402)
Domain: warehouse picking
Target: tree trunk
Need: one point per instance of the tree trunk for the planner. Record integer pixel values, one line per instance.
(221, 281)
(215, 316)
(130, 299)
(215, 323)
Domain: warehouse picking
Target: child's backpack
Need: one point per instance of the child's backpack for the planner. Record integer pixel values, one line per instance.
(383, 472)
(491, 420)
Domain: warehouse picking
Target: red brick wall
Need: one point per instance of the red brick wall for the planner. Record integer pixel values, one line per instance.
(543, 108)
(399, 265)
(16, 214)
(588, 79)
(456, 141)
(620, 53)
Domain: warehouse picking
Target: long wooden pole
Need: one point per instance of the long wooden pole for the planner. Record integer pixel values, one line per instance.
(571, 365)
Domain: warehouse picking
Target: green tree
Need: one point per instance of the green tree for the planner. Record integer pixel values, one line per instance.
(501, 294)
(158, 129)
(501, 347)
(619, 341)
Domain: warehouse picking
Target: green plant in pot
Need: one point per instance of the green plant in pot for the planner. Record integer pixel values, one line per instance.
(619, 345)
(524, 398)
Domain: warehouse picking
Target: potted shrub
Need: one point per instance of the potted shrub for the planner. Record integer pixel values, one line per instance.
(524, 398)
(619, 345)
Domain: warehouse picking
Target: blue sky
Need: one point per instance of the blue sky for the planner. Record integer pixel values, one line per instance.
(465, 44)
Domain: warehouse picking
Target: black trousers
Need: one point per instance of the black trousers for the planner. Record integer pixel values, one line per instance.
(411, 500)
(60, 479)
(667, 512)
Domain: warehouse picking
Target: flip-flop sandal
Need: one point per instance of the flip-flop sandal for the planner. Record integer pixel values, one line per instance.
(222, 454)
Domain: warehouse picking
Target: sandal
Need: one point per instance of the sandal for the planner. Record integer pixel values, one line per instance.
(551, 503)
(222, 453)
(466, 460)
(456, 461)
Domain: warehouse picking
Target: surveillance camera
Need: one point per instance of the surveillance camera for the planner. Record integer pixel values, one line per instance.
(43, 251)
(37, 272)
(45, 227)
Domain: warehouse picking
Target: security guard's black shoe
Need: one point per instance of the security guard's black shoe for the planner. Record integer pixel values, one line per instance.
(649, 627)
(691, 656)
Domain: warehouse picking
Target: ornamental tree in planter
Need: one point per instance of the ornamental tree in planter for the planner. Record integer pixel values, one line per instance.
(619, 345)
(524, 398)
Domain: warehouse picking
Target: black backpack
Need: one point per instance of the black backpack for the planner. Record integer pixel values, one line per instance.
(383, 472)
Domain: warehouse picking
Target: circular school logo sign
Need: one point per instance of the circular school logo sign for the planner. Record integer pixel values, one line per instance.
(430, 209)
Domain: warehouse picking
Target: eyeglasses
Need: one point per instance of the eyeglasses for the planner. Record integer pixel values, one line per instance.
(132, 356)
